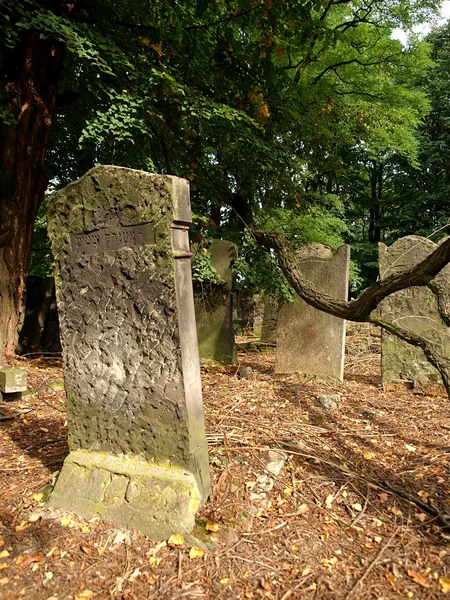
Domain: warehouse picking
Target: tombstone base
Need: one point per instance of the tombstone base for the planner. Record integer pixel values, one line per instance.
(158, 500)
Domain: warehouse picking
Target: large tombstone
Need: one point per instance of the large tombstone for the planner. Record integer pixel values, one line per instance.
(138, 453)
(308, 340)
(214, 309)
(413, 309)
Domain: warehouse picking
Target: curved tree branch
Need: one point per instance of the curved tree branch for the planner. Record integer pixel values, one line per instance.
(360, 308)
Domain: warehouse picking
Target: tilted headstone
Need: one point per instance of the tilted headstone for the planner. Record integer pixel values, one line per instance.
(138, 453)
(214, 308)
(413, 309)
(308, 340)
(270, 320)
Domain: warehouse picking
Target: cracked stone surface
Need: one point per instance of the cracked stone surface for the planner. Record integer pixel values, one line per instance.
(131, 368)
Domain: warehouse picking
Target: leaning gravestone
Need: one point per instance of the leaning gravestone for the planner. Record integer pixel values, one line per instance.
(138, 453)
(308, 340)
(270, 320)
(413, 309)
(214, 309)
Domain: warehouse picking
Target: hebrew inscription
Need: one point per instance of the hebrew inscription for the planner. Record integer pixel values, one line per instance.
(105, 240)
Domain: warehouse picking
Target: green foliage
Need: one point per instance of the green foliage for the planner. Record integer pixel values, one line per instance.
(259, 104)
(202, 269)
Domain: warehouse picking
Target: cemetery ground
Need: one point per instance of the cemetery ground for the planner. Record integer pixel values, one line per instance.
(307, 501)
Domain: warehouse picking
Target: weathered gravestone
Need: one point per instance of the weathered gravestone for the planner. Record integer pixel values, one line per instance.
(413, 309)
(138, 453)
(214, 308)
(308, 340)
(270, 320)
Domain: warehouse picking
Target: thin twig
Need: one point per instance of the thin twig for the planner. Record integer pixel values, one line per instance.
(372, 565)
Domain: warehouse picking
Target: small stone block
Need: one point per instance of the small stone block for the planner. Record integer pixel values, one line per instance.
(13, 380)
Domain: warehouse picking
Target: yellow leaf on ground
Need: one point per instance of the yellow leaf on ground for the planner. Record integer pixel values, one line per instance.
(329, 501)
(38, 497)
(211, 526)
(302, 509)
(66, 522)
(445, 584)
(4, 566)
(154, 561)
(357, 506)
(225, 581)
(196, 552)
(22, 526)
(48, 575)
(177, 539)
(84, 595)
(4, 554)
(368, 455)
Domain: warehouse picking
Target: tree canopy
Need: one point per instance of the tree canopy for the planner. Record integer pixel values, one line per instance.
(258, 102)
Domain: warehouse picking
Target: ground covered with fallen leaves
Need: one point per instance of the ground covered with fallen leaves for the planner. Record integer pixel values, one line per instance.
(307, 501)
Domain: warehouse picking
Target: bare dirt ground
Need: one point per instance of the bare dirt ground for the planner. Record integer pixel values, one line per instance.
(358, 509)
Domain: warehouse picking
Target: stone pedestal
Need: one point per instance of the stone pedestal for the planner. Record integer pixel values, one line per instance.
(413, 309)
(138, 453)
(214, 309)
(310, 341)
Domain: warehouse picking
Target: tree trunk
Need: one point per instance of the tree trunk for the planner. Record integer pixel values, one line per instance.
(32, 72)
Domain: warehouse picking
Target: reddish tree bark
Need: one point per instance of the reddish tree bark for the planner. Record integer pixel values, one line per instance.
(32, 73)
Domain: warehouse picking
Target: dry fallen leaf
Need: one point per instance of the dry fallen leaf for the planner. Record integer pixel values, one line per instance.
(421, 517)
(211, 526)
(51, 551)
(418, 578)
(176, 539)
(154, 561)
(84, 595)
(410, 448)
(266, 585)
(85, 548)
(369, 455)
(22, 526)
(66, 521)
(445, 584)
(196, 552)
(329, 501)
(357, 506)
(225, 581)
(4, 554)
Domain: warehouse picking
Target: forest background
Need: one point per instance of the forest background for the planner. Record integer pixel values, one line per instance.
(301, 118)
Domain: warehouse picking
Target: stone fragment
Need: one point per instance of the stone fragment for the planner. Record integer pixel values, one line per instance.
(414, 309)
(330, 401)
(310, 341)
(12, 380)
(214, 309)
(138, 453)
